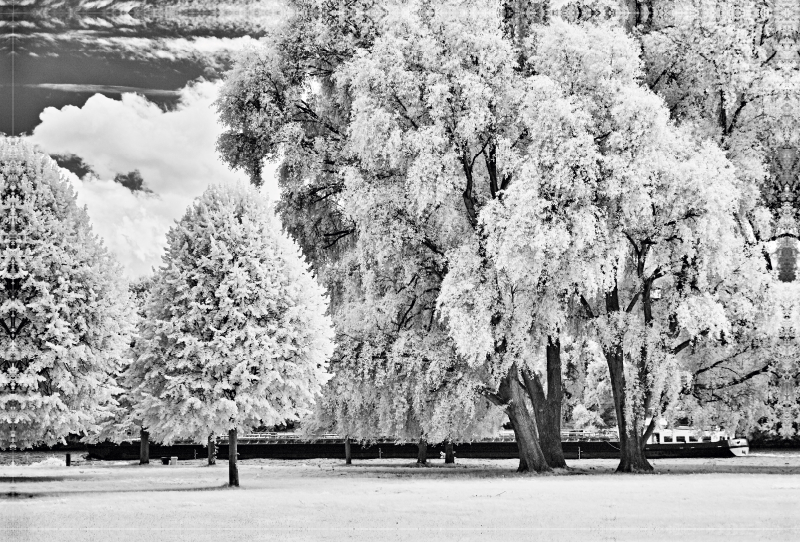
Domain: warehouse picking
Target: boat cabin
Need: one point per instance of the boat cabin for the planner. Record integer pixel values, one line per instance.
(684, 434)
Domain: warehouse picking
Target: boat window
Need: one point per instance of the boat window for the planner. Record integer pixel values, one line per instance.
(680, 439)
(667, 439)
(706, 439)
(692, 439)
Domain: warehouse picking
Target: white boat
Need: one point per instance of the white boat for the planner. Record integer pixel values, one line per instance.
(688, 437)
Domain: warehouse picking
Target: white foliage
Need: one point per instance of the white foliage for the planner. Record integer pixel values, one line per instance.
(70, 310)
(235, 333)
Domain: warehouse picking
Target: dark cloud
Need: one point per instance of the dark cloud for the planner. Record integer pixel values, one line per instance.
(68, 50)
(106, 89)
(73, 163)
(133, 181)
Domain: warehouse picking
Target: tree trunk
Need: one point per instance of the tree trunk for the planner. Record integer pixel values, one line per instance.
(449, 456)
(547, 408)
(631, 447)
(233, 470)
(525, 430)
(422, 452)
(212, 450)
(144, 447)
(348, 460)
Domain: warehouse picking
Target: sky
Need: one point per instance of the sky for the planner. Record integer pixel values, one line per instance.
(120, 94)
(174, 152)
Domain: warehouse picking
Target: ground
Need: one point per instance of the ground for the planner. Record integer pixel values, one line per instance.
(750, 498)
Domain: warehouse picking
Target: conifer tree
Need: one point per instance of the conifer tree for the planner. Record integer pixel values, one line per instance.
(65, 316)
(235, 333)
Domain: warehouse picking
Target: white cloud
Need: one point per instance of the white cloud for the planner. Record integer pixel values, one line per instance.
(133, 226)
(174, 151)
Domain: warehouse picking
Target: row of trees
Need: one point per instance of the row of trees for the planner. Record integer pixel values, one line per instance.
(231, 333)
(515, 219)
(497, 202)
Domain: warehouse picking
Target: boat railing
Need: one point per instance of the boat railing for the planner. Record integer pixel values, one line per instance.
(577, 436)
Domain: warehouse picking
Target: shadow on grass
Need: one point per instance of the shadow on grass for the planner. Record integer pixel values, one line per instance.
(451, 471)
(413, 470)
(11, 495)
(23, 479)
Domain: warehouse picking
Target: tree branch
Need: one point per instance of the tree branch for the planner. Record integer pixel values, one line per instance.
(685, 344)
(493, 397)
(720, 362)
(736, 381)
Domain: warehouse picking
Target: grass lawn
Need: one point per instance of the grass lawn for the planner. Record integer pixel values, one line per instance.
(750, 498)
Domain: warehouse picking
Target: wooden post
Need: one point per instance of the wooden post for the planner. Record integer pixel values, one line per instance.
(144, 447)
(233, 471)
(69, 459)
(347, 457)
(212, 450)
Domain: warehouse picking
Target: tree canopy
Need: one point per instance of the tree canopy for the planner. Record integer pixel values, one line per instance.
(66, 316)
(483, 188)
(234, 333)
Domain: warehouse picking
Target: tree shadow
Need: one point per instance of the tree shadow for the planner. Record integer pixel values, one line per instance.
(23, 479)
(12, 495)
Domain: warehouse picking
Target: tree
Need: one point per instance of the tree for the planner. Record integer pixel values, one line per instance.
(235, 333)
(497, 196)
(140, 290)
(662, 212)
(730, 74)
(65, 317)
(122, 424)
(282, 103)
(607, 200)
(433, 102)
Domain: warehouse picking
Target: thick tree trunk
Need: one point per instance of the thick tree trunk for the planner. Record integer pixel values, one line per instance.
(348, 460)
(631, 446)
(233, 470)
(144, 447)
(547, 408)
(525, 430)
(449, 456)
(422, 452)
(212, 450)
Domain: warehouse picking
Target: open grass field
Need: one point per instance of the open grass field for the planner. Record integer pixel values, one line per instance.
(750, 498)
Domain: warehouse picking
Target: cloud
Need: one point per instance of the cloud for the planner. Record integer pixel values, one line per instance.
(133, 225)
(209, 50)
(109, 89)
(174, 152)
(132, 181)
(73, 163)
